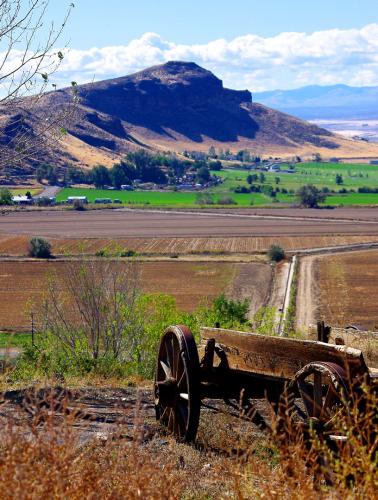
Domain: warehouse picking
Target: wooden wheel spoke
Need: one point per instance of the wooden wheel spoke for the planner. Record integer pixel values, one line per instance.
(318, 400)
(164, 414)
(329, 399)
(169, 351)
(167, 370)
(180, 382)
(307, 397)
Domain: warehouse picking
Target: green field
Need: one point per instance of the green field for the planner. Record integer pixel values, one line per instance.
(23, 191)
(319, 174)
(161, 198)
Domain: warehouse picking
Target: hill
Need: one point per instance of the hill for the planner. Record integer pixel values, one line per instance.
(174, 106)
(316, 101)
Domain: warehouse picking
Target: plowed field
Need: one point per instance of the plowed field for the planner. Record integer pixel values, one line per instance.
(348, 288)
(17, 245)
(153, 224)
(23, 284)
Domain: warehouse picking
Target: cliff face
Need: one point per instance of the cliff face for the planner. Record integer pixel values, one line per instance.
(174, 106)
(181, 97)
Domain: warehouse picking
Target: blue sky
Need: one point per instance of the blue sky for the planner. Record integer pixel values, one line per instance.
(114, 22)
(259, 45)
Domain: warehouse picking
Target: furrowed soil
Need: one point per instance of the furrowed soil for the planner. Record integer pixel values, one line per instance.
(23, 284)
(348, 289)
(172, 224)
(17, 245)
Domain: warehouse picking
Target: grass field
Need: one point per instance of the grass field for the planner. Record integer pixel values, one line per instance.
(319, 174)
(23, 191)
(162, 198)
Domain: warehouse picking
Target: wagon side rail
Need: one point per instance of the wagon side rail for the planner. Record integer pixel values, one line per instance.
(278, 356)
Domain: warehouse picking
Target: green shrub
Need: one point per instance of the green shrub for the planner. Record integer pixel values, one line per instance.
(153, 313)
(102, 253)
(127, 253)
(276, 253)
(5, 196)
(40, 248)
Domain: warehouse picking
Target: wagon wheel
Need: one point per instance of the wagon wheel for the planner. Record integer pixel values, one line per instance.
(317, 397)
(177, 387)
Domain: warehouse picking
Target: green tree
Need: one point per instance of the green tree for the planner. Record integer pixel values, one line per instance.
(261, 177)
(252, 178)
(277, 180)
(339, 179)
(276, 253)
(310, 196)
(118, 176)
(100, 176)
(5, 196)
(212, 153)
(203, 175)
(39, 247)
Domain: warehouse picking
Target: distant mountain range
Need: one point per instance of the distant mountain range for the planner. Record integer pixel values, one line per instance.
(324, 102)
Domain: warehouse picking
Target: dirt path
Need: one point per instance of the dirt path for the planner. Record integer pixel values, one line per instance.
(277, 297)
(307, 293)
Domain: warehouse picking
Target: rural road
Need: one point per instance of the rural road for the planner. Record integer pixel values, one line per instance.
(48, 192)
(131, 223)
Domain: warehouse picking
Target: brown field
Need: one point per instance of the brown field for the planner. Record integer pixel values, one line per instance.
(147, 224)
(17, 245)
(348, 289)
(23, 284)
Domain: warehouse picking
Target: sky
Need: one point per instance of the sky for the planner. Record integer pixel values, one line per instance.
(259, 45)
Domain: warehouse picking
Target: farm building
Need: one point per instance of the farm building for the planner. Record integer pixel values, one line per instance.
(22, 200)
(83, 199)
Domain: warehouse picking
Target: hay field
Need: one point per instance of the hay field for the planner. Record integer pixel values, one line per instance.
(348, 289)
(17, 245)
(23, 284)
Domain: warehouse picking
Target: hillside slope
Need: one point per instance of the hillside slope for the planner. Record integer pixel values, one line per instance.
(174, 106)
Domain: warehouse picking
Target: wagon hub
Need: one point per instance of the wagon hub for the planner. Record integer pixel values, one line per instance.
(167, 392)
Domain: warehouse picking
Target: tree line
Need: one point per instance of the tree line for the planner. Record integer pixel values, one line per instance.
(139, 165)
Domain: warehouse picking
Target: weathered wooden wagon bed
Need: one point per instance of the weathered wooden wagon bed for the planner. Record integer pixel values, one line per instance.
(238, 367)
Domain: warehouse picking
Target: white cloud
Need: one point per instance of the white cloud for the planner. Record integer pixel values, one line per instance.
(286, 60)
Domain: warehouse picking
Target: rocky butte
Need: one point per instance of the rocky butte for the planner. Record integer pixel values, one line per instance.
(173, 106)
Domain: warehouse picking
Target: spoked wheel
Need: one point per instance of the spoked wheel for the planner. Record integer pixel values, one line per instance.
(317, 398)
(177, 383)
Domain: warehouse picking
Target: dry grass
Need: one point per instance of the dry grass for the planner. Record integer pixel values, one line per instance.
(43, 457)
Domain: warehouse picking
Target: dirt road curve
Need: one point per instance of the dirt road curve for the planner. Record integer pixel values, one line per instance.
(110, 223)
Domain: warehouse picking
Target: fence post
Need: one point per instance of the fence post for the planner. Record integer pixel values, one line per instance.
(32, 328)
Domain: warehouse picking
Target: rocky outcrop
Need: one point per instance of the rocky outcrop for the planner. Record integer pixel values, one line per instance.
(176, 106)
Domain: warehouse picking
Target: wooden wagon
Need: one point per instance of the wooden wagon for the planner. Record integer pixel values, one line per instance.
(239, 367)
